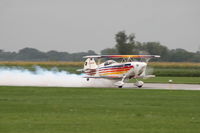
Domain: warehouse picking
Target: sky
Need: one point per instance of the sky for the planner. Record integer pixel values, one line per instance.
(82, 25)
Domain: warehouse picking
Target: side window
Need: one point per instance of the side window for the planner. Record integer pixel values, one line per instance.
(85, 63)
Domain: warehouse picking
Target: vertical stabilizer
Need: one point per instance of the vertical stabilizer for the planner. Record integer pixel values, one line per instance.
(90, 64)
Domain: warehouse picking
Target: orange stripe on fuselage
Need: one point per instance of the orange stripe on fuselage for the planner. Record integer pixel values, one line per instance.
(112, 68)
(116, 70)
(113, 73)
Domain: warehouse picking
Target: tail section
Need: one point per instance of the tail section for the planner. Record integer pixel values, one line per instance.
(90, 64)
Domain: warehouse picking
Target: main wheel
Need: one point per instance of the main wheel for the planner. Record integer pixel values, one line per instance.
(119, 86)
(139, 84)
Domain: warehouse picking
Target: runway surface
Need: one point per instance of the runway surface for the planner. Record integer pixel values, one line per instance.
(166, 86)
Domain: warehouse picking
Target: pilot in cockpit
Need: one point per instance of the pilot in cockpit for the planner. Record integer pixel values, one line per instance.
(108, 62)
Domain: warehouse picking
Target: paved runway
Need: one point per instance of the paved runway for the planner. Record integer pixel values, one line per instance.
(166, 86)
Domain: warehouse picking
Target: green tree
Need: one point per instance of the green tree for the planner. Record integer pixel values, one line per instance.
(7, 56)
(125, 44)
(180, 55)
(31, 54)
(155, 48)
(57, 56)
(109, 51)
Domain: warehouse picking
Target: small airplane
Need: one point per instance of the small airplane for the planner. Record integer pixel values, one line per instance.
(127, 68)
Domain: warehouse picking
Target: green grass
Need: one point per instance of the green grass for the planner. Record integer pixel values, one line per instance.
(177, 72)
(98, 110)
(176, 80)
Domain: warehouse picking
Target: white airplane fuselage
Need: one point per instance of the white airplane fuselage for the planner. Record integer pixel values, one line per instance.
(127, 69)
(118, 71)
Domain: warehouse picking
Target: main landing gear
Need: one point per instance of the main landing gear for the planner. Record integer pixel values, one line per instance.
(120, 83)
(139, 84)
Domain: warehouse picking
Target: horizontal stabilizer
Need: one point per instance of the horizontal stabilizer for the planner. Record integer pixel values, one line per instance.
(122, 56)
(147, 76)
(80, 70)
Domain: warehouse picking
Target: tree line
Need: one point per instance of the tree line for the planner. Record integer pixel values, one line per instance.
(32, 54)
(125, 44)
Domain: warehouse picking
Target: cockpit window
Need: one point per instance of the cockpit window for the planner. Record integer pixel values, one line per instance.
(109, 62)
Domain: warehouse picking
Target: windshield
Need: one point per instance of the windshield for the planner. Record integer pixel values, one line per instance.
(109, 62)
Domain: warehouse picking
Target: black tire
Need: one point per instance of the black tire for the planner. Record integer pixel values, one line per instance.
(119, 86)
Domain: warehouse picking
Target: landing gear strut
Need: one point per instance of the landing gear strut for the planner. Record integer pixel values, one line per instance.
(120, 83)
(139, 84)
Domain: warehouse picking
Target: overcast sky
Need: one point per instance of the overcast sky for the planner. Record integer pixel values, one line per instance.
(80, 25)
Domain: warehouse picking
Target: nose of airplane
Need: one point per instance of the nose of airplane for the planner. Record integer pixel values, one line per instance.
(142, 68)
(138, 68)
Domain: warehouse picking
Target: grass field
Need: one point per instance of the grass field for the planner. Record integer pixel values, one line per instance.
(98, 110)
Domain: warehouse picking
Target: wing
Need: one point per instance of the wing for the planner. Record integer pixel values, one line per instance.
(119, 77)
(146, 76)
(122, 56)
(93, 56)
(105, 77)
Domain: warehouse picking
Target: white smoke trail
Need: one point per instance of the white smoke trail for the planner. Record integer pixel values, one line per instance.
(44, 77)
